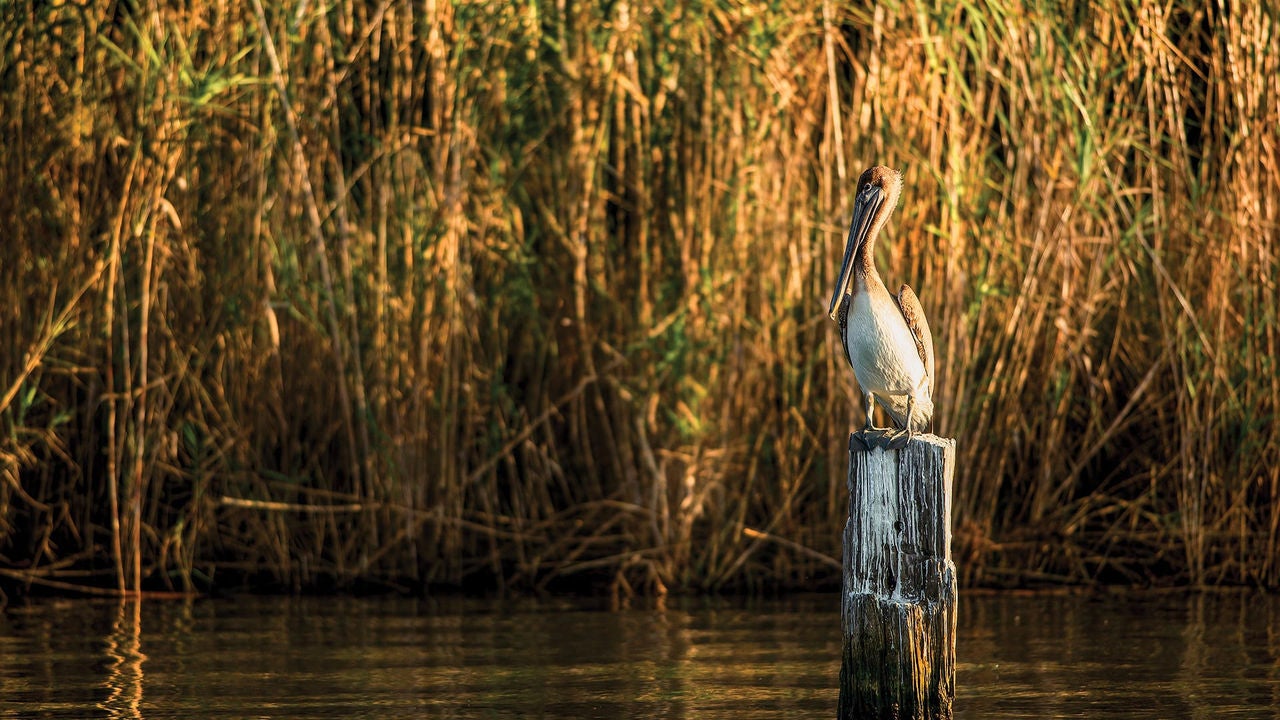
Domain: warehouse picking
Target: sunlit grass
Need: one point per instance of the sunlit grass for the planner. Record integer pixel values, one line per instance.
(536, 296)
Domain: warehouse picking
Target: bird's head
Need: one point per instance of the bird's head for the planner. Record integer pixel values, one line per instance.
(878, 190)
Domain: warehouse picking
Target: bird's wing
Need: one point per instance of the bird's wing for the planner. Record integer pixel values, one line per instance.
(842, 321)
(913, 313)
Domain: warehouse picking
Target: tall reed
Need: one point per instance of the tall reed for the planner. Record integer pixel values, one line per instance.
(533, 295)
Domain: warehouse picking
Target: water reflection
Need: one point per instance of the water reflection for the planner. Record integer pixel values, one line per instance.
(1019, 657)
(123, 650)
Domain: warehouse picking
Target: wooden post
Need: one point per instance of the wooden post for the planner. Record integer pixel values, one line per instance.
(899, 599)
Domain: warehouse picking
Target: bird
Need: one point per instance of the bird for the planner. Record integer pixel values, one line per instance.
(886, 337)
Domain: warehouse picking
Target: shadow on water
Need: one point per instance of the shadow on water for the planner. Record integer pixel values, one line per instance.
(1131, 656)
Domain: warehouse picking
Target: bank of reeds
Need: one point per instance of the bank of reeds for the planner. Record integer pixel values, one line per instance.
(533, 295)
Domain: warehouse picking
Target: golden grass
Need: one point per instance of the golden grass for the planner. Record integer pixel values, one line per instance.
(534, 294)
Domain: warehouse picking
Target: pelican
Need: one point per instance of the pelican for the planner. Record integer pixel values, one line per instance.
(886, 338)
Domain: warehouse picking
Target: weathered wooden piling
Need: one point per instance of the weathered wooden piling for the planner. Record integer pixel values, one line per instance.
(899, 596)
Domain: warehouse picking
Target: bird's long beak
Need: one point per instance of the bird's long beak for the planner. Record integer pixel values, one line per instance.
(864, 211)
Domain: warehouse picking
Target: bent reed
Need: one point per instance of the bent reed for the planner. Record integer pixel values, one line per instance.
(531, 295)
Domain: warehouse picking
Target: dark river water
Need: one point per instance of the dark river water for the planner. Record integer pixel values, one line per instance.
(1018, 656)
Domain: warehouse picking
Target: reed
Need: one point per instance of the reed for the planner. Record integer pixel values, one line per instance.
(533, 295)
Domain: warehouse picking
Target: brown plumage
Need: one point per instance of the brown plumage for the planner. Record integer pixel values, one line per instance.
(886, 337)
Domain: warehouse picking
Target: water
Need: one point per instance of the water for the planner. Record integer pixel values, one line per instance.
(1134, 656)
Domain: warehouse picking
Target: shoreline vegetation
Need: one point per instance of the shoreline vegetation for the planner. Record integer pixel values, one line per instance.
(531, 296)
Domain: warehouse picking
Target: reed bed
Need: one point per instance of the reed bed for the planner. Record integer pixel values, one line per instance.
(532, 296)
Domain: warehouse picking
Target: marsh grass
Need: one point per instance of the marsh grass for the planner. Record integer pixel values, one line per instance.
(532, 295)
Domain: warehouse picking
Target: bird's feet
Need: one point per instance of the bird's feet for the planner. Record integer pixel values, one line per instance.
(867, 438)
(883, 438)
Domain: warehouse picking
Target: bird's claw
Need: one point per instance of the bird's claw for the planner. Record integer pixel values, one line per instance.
(899, 440)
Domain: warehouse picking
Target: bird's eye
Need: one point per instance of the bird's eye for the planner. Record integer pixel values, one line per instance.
(866, 188)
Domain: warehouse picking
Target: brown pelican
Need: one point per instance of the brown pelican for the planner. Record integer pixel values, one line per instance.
(886, 338)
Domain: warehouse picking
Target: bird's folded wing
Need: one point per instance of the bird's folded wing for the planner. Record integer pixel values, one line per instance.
(913, 313)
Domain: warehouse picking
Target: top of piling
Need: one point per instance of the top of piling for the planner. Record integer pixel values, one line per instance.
(856, 443)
